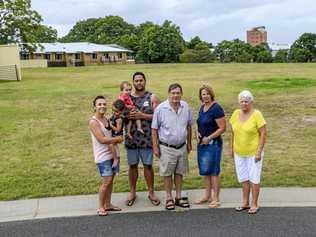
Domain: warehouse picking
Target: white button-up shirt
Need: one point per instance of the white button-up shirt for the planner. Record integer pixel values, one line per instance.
(172, 125)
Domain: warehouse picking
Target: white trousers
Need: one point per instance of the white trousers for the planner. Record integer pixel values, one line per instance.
(247, 169)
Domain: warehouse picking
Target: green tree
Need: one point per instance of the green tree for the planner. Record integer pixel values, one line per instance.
(161, 43)
(19, 23)
(264, 57)
(197, 56)
(304, 48)
(281, 56)
(188, 56)
(46, 34)
(262, 53)
(300, 55)
(197, 43)
(110, 29)
(107, 30)
(234, 51)
(83, 31)
(193, 42)
(202, 46)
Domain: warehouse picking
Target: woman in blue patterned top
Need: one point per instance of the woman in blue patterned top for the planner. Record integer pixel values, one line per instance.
(211, 124)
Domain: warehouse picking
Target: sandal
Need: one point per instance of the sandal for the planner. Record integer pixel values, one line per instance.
(130, 202)
(201, 201)
(253, 211)
(155, 202)
(170, 204)
(113, 209)
(241, 208)
(102, 212)
(214, 204)
(182, 202)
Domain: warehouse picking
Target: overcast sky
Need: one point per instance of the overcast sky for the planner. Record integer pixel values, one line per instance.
(212, 20)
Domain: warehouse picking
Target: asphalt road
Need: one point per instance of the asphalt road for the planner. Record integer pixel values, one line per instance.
(216, 222)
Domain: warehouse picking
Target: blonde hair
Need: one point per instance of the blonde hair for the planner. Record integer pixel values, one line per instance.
(209, 90)
(125, 83)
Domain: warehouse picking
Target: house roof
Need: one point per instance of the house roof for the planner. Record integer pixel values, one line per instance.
(276, 46)
(78, 47)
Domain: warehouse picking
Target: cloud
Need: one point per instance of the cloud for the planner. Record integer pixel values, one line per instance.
(212, 20)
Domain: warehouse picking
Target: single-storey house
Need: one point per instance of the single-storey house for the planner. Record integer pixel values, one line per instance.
(275, 47)
(78, 54)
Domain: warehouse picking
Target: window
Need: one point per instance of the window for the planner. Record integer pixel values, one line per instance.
(47, 56)
(120, 55)
(78, 56)
(58, 56)
(94, 56)
(25, 56)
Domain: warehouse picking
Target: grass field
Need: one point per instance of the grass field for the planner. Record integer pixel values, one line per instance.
(45, 147)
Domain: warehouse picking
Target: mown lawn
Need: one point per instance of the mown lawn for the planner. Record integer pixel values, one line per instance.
(45, 147)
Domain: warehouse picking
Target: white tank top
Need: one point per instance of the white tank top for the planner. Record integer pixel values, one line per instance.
(101, 151)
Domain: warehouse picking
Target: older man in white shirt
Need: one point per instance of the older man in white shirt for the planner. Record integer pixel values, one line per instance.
(171, 138)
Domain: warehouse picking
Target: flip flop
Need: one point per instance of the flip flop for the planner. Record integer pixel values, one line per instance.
(155, 202)
(214, 204)
(201, 201)
(253, 211)
(130, 202)
(239, 209)
(102, 213)
(113, 209)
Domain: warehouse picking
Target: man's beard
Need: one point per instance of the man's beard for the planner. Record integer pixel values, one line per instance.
(139, 90)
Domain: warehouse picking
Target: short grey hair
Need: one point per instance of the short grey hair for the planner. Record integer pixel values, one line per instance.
(245, 94)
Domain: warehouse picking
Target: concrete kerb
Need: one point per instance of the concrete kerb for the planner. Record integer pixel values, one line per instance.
(83, 205)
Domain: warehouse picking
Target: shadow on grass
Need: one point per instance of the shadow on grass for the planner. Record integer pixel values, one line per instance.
(8, 81)
(281, 83)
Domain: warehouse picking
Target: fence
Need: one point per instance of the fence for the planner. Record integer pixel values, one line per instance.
(33, 63)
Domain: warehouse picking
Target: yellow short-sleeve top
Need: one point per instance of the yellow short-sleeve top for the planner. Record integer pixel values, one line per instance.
(246, 134)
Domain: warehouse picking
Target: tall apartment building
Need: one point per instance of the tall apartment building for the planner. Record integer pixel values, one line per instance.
(257, 35)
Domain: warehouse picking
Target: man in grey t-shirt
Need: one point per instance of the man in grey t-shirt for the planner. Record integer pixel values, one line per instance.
(172, 123)
(140, 146)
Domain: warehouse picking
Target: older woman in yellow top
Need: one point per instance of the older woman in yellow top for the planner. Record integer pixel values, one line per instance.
(248, 138)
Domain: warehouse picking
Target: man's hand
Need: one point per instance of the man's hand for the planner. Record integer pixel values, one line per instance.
(136, 115)
(156, 151)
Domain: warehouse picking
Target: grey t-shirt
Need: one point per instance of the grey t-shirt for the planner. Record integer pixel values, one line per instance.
(143, 104)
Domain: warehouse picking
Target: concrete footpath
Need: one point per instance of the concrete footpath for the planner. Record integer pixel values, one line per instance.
(87, 204)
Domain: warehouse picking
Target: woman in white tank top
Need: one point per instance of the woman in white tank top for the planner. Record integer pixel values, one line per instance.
(104, 153)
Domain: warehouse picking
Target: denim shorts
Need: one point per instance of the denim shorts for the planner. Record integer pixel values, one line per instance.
(105, 168)
(143, 154)
(209, 158)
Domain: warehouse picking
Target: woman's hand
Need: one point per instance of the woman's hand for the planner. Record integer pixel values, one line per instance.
(258, 157)
(205, 140)
(119, 139)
